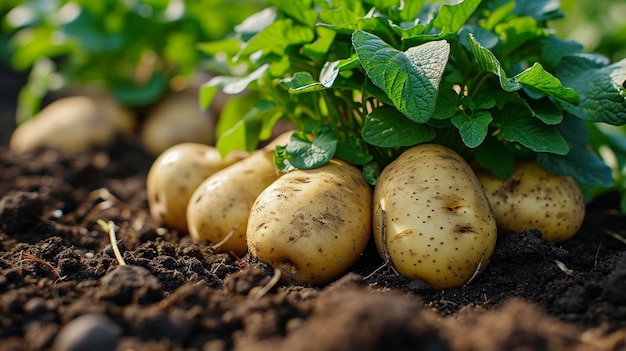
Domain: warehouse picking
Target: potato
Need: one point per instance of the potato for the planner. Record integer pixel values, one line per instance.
(73, 124)
(222, 202)
(432, 219)
(312, 224)
(533, 198)
(177, 119)
(175, 175)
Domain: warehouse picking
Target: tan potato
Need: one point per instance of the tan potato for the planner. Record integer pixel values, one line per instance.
(175, 175)
(432, 219)
(222, 202)
(73, 124)
(177, 119)
(533, 198)
(312, 224)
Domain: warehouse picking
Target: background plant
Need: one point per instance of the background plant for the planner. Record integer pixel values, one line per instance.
(134, 49)
(364, 80)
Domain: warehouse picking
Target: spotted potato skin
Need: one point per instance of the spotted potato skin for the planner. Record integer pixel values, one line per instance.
(432, 219)
(222, 202)
(312, 224)
(175, 175)
(533, 198)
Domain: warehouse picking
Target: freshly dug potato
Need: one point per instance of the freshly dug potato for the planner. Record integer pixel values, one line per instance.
(73, 124)
(222, 202)
(312, 224)
(432, 219)
(533, 198)
(176, 174)
(177, 119)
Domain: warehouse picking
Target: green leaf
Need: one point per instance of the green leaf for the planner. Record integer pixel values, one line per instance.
(302, 82)
(241, 136)
(276, 37)
(452, 17)
(488, 62)
(318, 49)
(473, 127)
(494, 156)
(386, 127)
(481, 102)
(300, 10)
(229, 46)
(517, 125)
(371, 172)
(410, 79)
(580, 163)
(353, 150)
(230, 85)
(303, 153)
(601, 88)
(447, 104)
(545, 110)
(534, 78)
(256, 23)
(244, 121)
(554, 49)
(408, 10)
(517, 32)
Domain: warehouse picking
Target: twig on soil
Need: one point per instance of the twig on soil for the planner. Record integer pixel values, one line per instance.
(217, 266)
(385, 264)
(615, 235)
(26, 257)
(110, 227)
(595, 259)
(257, 294)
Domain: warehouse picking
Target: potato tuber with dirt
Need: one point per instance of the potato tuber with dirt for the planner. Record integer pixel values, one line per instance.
(533, 198)
(74, 124)
(432, 219)
(175, 175)
(312, 224)
(222, 202)
(177, 119)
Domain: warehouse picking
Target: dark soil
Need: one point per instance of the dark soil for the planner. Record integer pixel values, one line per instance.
(62, 288)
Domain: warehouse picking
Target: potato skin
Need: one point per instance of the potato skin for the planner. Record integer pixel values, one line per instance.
(74, 124)
(533, 198)
(222, 202)
(175, 175)
(177, 119)
(312, 224)
(432, 218)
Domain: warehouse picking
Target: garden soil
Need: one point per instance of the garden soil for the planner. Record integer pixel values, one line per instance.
(62, 287)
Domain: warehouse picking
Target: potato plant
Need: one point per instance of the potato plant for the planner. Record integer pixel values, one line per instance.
(365, 81)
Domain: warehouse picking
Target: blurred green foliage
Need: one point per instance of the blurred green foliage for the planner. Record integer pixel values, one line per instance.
(600, 25)
(135, 49)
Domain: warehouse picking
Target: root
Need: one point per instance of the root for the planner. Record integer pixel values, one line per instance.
(257, 294)
(230, 234)
(110, 227)
(564, 268)
(26, 257)
(615, 236)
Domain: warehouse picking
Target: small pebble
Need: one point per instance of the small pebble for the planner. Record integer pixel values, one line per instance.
(90, 332)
